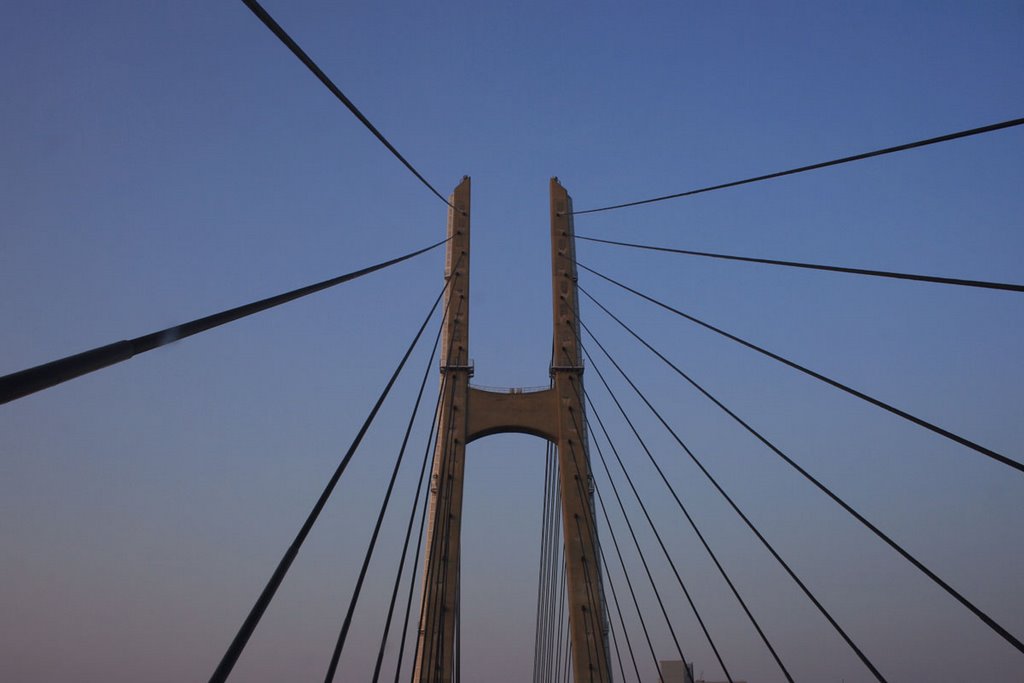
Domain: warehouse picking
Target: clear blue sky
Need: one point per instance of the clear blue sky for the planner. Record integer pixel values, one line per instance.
(163, 161)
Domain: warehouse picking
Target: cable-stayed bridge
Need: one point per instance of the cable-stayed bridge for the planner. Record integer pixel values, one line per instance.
(598, 599)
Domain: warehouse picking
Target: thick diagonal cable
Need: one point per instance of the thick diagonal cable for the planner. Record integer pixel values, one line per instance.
(985, 618)
(237, 645)
(350, 612)
(998, 457)
(821, 608)
(412, 511)
(934, 279)
(683, 509)
(25, 382)
(650, 521)
(290, 43)
(812, 167)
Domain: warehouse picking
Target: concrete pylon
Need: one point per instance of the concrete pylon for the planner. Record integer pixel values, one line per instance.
(469, 413)
(435, 646)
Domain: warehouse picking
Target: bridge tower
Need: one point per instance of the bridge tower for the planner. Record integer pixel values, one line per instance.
(469, 413)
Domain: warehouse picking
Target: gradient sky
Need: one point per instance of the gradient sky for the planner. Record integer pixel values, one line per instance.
(163, 161)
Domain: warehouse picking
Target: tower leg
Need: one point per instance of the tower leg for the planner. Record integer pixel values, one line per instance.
(585, 597)
(435, 646)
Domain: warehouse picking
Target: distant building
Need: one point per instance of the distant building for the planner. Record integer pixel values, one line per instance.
(673, 671)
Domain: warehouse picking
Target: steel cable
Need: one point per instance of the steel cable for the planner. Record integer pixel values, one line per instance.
(934, 279)
(347, 622)
(963, 441)
(25, 382)
(238, 644)
(283, 36)
(985, 618)
(685, 512)
(821, 608)
(824, 164)
(409, 526)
